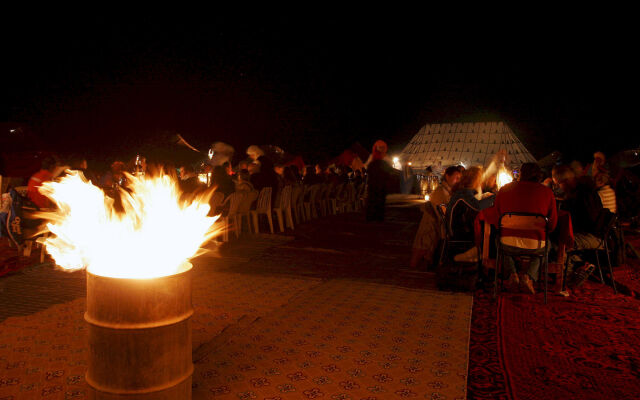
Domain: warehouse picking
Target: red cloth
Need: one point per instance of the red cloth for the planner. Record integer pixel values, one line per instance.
(529, 197)
(32, 189)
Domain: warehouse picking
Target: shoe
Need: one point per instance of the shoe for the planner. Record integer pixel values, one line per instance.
(470, 255)
(527, 284)
(512, 283)
(582, 274)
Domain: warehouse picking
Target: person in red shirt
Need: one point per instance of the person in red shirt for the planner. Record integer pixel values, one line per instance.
(526, 195)
(45, 174)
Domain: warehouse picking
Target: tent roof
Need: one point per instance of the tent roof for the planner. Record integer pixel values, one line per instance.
(472, 143)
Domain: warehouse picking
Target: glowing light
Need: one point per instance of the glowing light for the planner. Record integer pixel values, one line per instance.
(409, 163)
(503, 177)
(210, 154)
(463, 165)
(154, 235)
(426, 197)
(396, 163)
(204, 178)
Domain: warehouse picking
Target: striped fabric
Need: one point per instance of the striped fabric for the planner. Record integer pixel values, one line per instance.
(608, 197)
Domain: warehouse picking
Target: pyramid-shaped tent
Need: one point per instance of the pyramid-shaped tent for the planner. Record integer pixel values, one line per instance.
(471, 143)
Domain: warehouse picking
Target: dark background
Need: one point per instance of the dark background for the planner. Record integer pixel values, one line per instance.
(105, 87)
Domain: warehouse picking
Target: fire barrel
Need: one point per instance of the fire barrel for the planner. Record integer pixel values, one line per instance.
(140, 337)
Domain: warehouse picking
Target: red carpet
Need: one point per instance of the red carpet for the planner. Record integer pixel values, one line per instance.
(582, 347)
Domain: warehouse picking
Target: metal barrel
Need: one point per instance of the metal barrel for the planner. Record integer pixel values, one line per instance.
(140, 337)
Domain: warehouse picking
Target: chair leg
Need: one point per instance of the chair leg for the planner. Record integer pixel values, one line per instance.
(599, 267)
(613, 281)
(270, 221)
(254, 216)
(237, 226)
(546, 276)
(290, 218)
(280, 219)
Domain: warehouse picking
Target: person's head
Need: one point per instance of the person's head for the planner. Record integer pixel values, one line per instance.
(187, 171)
(254, 152)
(279, 169)
(227, 167)
(598, 158)
(289, 174)
(601, 179)
(243, 175)
(49, 163)
(77, 161)
(219, 173)
(577, 168)
(318, 169)
(530, 172)
(253, 168)
(565, 177)
(309, 171)
(379, 150)
(471, 179)
(117, 167)
(452, 176)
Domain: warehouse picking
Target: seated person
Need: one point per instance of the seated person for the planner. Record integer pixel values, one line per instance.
(189, 182)
(584, 205)
(606, 193)
(526, 195)
(465, 203)
(243, 184)
(222, 181)
(428, 235)
(115, 177)
(46, 173)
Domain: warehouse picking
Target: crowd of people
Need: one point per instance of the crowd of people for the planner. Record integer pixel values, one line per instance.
(587, 194)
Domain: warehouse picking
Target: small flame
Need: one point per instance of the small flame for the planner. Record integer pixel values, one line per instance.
(503, 178)
(153, 237)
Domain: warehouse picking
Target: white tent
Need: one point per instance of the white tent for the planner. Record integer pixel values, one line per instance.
(470, 143)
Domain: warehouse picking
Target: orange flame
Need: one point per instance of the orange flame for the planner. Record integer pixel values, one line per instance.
(154, 235)
(503, 177)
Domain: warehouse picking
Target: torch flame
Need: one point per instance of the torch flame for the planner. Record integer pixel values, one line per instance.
(153, 237)
(503, 178)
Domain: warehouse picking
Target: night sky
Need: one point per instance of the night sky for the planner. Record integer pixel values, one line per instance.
(104, 87)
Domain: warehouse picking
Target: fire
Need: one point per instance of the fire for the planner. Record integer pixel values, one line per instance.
(503, 178)
(154, 236)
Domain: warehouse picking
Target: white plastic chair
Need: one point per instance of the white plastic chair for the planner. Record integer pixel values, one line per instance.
(284, 209)
(263, 207)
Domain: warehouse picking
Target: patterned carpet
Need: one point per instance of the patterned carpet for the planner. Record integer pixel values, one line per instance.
(43, 355)
(581, 347)
(345, 340)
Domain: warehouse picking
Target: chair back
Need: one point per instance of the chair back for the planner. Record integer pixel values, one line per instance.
(297, 194)
(264, 199)
(519, 223)
(234, 199)
(285, 197)
(248, 197)
(216, 200)
(313, 192)
(460, 221)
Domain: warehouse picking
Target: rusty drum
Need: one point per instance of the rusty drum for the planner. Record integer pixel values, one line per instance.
(140, 337)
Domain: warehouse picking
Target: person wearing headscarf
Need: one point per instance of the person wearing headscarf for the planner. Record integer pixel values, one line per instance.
(378, 174)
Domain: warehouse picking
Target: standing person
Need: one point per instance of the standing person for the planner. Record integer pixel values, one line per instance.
(530, 196)
(378, 175)
(429, 234)
(48, 166)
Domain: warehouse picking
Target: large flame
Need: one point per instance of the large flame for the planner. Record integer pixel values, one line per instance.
(152, 235)
(503, 177)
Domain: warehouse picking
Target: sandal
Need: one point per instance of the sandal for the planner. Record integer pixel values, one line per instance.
(581, 275)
